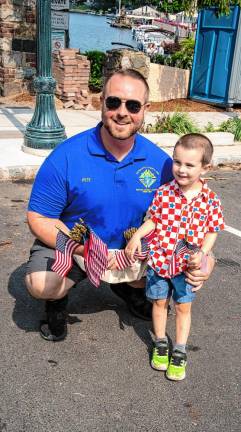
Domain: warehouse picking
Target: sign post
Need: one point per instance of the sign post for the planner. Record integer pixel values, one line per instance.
(60, 19)
(60, 4)
(44, 132)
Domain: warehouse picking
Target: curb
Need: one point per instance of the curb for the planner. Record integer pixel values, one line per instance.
(18, 173)
(27, 168)
(28, 173)
(170, 139)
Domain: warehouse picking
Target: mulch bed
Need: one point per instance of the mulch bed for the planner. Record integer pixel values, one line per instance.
(185, 105)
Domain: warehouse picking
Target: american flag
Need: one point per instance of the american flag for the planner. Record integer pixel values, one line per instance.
(183, 247)
(123, 261)
(65, 248)
(96, 258)
(95, 255)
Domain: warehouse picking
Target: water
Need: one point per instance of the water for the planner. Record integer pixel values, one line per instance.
(92, 32)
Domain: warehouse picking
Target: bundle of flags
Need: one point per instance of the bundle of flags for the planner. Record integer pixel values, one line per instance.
(123, 261)
(95, 255)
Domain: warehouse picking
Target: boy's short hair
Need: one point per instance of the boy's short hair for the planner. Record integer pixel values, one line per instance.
(197, 141)
(132, 73)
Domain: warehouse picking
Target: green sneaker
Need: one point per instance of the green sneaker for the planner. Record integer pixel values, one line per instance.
(176, 370)
(160, 357)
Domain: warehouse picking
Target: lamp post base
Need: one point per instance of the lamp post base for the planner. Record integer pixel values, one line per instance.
(41, 142)
(45, 130)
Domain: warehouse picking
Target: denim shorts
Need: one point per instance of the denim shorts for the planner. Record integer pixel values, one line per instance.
(159, 288)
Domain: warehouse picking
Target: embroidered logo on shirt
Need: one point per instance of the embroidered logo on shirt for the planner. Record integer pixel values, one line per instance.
(147, 177)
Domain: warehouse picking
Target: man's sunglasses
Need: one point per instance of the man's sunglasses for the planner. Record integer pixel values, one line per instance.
(132, 105)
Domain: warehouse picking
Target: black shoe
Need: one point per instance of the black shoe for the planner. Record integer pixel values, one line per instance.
(122, 290)
(55, 327)
(139, 305)
(135, 300)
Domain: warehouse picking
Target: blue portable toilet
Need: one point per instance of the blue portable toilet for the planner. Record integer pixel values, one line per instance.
(216, 72)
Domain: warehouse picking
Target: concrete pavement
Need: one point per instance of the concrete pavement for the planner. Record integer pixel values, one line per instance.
(16, 164)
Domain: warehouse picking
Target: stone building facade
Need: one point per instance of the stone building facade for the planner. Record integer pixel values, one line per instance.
(17, 46)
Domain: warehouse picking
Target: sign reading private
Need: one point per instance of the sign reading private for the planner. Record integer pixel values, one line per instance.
(59, 4)
(60, 20)
(58, 40)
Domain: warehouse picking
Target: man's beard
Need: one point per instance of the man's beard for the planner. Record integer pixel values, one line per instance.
(126, 134)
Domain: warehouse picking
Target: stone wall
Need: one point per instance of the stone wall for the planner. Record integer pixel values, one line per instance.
(167, 83)
(126, 59)
(17, 46)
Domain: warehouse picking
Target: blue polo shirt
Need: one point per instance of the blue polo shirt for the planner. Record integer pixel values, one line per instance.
(81, 179)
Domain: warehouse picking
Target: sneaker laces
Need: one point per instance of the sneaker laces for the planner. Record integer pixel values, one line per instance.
(178, 358)
(162, 349)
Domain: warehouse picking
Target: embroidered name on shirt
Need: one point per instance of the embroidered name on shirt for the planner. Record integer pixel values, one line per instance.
(86, 179)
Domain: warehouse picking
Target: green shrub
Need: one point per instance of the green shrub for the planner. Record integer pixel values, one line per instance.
(209, 127)
(232, 125)
(97, 59)
(178, 123)
(182, 59)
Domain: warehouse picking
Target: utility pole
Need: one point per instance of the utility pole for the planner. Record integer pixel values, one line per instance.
(45, 131)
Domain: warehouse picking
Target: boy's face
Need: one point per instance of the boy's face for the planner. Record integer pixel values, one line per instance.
(187, 167)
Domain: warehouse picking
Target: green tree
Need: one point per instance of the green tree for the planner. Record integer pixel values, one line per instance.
(223, 6)
(171, 6)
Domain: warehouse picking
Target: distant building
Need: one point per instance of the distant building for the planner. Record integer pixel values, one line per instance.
(88, 2)
(145, 11)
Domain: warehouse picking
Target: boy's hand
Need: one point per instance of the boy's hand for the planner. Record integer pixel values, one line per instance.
(132, 246)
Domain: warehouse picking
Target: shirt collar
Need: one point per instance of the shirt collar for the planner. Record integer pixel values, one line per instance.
(204, 191)
(96, 147)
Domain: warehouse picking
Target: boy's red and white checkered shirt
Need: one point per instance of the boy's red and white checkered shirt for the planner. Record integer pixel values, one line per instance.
(176, 219)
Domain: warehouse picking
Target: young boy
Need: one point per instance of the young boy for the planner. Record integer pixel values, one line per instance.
(186, 216)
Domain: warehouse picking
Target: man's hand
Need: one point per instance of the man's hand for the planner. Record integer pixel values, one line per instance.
(79, 250)
(197, 277)
(194, 261)
(112, 264)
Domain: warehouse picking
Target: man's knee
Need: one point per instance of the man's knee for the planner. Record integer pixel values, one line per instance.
(44, 285)
(138, 283)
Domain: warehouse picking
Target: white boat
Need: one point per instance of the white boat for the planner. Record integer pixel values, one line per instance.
(136, 30)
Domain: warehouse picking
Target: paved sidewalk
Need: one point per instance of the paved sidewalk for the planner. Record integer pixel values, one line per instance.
(14, 163)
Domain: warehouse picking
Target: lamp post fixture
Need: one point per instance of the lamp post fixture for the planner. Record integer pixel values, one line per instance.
(45, 131)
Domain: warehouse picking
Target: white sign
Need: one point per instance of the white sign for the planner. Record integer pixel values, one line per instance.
(58, 40)
(59, 4)
(60, 20)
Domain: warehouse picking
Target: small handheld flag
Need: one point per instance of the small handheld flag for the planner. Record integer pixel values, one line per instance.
(65, 248)
(123, 261)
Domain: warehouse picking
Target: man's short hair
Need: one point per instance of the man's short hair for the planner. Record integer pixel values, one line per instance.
(132, 73)
(197, 141)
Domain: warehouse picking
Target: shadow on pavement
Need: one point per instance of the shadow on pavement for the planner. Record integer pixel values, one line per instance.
(83, 299)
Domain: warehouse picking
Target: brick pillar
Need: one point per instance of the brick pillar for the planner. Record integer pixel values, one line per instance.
(71, 71)
(17, 45)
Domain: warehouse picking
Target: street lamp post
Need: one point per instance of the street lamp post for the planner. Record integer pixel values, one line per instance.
(45, 131)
